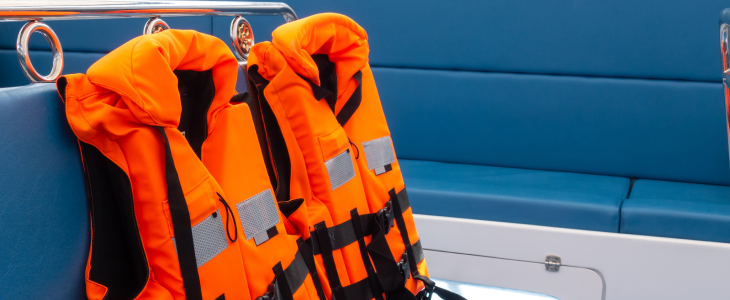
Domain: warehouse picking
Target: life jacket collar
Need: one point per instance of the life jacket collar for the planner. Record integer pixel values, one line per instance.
(343, 40)
(141, 72)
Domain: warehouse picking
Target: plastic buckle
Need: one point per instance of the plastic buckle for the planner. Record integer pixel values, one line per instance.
(404, 267)
(385, 217)
(267, 296)
(270, 294)
(429, 286)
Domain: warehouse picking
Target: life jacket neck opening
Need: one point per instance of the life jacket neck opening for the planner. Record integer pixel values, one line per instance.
(197, 91)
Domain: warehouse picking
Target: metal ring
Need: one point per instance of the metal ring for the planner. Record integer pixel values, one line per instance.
(21, 46)
(241, 37)
(155, 25)
(725, 47)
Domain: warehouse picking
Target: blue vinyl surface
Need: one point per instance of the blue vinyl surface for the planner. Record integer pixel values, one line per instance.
(603, 38)
(668, 39)
(557, 199)
(45, 217)
(12, 75)
(669, 130)
(678, 210)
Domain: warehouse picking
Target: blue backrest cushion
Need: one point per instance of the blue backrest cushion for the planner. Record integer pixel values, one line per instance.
(45, 217)
(610, 88)
(621, 127)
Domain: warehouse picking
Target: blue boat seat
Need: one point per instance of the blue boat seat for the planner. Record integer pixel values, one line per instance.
(678, 210)
(558, 199)
(44, 235)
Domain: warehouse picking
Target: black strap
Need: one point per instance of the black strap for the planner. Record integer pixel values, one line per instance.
(360, 290)
(375, 284)
(350, 106)
(296, 273)
(398, 211)
(282, 283)
(389, 273)
(319, 92)
(343, 234)
(329, 261)
(306, 252)
(353, 103)
(418, 251)
(431, 288)
(181, 225)
(446, 294)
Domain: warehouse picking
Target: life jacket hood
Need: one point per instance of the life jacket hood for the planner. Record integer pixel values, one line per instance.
(140, 72)
(343, 40)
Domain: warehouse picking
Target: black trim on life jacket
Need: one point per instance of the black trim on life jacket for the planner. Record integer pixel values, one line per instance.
(353, 103)
(327, 79)
(319, 92)
(327, 89)
(287, 208)
(271, 140)
(118, 261)
(197, 91)
(244, 97)
(181, 226)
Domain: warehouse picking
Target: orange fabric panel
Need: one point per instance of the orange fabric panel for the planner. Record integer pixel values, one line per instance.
(241, 161)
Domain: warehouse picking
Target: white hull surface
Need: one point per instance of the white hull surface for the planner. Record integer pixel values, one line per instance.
(595, 265)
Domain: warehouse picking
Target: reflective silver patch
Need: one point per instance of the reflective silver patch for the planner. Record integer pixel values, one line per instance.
(209, 239)
(258, 214)
(379, 153)
(340, 169)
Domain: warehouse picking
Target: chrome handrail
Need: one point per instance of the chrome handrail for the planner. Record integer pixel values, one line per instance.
(35, 11)
(28, 10)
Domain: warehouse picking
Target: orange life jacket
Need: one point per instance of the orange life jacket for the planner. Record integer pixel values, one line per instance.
(329, 143)
(180, 199)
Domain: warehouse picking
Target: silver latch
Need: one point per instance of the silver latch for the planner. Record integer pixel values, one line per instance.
(552, 263)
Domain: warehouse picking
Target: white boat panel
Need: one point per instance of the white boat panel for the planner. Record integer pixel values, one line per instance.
(633, 267)
(569, 283)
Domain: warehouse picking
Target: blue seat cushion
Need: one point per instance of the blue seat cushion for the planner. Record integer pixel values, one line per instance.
(557, 199)
(678, 210)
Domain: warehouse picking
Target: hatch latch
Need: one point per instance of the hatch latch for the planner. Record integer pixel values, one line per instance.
(552, 263)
